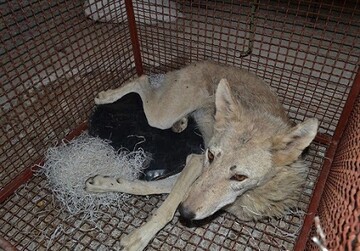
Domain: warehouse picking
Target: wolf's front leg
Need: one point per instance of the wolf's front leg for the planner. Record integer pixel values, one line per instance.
(138, 239)
(102, 184)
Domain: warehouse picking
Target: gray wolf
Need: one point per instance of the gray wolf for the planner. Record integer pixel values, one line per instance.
(252, 164)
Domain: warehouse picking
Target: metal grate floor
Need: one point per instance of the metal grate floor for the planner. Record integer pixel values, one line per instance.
(32, 219)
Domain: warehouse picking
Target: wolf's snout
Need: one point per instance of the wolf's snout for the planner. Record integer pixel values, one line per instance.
(185, 212)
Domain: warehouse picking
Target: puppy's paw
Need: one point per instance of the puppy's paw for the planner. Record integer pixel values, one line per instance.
(180, 125)
(100, 184)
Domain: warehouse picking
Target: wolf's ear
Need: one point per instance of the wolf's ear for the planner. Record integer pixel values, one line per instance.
(226, 108)
(288, 147)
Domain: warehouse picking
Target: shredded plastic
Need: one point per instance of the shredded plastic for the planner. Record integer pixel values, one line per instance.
(68, 166)
(320, 239)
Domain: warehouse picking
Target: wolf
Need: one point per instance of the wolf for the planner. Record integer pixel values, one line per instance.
(251, 166)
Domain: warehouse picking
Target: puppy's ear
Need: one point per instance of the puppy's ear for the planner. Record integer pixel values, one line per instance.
(226, 107)
(288, 147)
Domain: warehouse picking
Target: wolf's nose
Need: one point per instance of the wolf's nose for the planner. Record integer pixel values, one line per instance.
(185, 212)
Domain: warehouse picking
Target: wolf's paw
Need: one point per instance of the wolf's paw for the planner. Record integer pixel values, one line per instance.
(180, 125)
(105, 97)
(100, 184)
(133, 242)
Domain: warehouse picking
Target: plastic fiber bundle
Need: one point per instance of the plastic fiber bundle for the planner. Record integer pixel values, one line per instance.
(68, 166)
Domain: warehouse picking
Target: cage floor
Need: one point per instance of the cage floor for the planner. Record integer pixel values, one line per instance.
(31, 219)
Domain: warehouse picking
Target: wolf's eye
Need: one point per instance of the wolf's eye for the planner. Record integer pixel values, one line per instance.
(238, 177)
(210, 156)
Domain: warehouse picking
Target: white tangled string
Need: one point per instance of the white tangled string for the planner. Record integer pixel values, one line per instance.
(68, 166)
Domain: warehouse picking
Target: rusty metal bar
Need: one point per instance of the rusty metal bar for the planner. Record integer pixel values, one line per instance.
(134, 37)
(28, 172)
(323, 139)
(320, 184)
(6, 245)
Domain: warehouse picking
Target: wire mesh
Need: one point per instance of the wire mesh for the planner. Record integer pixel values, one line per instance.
(54, 60)
(306, 50)
(56, 57)
(339, 209)
(32, 220)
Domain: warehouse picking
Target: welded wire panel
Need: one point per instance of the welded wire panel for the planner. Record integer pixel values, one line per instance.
(307, 50)
(32, 220)
(58, 54)
(217, 30)
(54, 60)
(339, 209)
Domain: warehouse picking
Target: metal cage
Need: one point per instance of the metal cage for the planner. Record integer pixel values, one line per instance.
(57, 55)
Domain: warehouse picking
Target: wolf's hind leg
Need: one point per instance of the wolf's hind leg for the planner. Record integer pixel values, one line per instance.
(112, 95)
(101, 184)
(138, 239)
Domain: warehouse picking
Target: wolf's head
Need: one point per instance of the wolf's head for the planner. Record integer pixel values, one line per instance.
(247, 149)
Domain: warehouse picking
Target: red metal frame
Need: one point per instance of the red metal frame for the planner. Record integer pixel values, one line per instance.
(27, 174)
(134, 37)
(319, 188)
